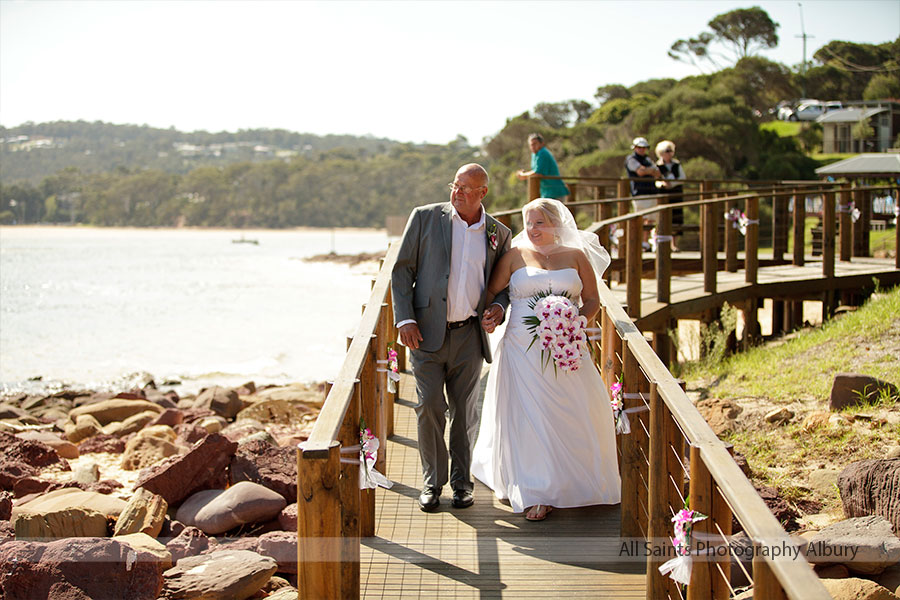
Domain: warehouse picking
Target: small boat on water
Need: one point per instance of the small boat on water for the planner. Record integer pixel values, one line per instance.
(244, 240)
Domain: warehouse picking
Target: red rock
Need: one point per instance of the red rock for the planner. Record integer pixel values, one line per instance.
(77, 568)
(219, 574)
(11, 472)
(190, 542)
(287, 518)
(64, 448)
(853, 389)
(271, 466)
(5, 506)
(30, 452)
(282, 546)
(102, 443)
(170, 417)
(222, 401)
(203, 467)
(872, 487)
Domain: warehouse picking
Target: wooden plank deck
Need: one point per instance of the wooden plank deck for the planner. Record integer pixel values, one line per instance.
(486, 550)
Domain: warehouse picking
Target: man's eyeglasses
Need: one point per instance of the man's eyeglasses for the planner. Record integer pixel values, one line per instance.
(463, 189)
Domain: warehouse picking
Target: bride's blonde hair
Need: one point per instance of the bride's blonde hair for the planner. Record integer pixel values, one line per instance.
(547, 207)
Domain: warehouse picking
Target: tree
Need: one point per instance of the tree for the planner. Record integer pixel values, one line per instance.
(881, 87)
(743, 32)
(613, 91)
(555, 114)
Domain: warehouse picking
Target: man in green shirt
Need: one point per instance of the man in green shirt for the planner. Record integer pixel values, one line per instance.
(543, 163)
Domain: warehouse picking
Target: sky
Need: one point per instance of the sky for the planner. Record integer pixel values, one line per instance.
(409, 71)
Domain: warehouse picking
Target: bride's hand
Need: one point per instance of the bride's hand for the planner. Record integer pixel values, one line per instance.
(492, 317)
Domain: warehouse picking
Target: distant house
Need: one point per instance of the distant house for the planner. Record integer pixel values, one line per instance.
(838, 125)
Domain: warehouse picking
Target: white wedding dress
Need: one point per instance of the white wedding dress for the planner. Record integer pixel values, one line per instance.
(545, 437)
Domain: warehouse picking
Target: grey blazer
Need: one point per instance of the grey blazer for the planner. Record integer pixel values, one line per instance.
(420, 276)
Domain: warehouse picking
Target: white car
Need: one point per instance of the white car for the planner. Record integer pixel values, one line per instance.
(808, 111)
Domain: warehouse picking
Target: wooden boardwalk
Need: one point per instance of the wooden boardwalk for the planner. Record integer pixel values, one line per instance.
(486, 550)
(782, 281)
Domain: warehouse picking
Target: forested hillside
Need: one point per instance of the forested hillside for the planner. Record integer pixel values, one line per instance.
(105, 174)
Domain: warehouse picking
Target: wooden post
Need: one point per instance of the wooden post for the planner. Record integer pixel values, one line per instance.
(709, 255)
(633, 268)
(534, 187)
(828, 234)
(664, 256)
(573, 193)
(631, 456)
(662, 345)
(846, 231)
(799, 228)
(355, 514)
(720, 515)
(751, 240)
(701, 486)
(751, 323)
(659, 526)
(857, 228)
(368, 410)
(606, 212)
(779, 226)
(765, 584)
(731, 240)
(865, 215)
(319, 524)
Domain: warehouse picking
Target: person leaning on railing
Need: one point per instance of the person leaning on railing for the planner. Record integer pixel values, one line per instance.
(543, 163)
(642, 173)
(672, 173)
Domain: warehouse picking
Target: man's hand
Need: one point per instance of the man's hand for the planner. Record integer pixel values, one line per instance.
(410, 336)
(493, 316)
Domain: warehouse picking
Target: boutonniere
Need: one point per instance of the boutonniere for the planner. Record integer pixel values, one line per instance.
(492, 235)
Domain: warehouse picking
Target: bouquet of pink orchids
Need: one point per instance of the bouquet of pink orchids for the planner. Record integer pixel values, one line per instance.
(559, 329)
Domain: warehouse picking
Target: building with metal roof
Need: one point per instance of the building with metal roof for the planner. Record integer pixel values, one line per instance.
(838, 134)
(869, 165)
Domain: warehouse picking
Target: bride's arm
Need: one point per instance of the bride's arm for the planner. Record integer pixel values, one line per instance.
(590, 297)
(500, 276)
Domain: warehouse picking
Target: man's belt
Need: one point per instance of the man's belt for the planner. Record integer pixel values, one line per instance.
(458, 324)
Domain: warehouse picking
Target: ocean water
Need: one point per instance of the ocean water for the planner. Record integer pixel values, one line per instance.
(97, 308)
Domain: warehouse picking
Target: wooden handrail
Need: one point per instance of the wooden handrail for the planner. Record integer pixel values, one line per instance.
(796, 578)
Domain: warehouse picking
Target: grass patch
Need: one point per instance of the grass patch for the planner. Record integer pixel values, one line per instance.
(804, 367)
(782, 128)
(883, 241)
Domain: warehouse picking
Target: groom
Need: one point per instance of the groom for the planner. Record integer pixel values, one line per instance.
(438, 286)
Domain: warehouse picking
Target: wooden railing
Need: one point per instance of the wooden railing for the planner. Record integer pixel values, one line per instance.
(332, 512)
(671, 455)
(713, 205)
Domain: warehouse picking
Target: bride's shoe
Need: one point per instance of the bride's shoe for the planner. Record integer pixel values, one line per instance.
(538, 512)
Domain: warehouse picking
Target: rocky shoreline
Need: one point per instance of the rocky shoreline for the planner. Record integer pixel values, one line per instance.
(170, 496)
(147, 494)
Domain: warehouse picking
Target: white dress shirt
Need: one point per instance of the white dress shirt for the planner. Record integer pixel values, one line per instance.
(467, 255)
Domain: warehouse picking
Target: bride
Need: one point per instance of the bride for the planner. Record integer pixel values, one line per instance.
(547, 437)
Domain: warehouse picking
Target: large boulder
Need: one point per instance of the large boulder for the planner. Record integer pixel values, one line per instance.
(287, 518)
(872, 487)
(115, 409)
(64, 448)
(60, 523)
(865, 545)
(77, 568)
(222, 401)
(144, 451)
(217, 511)
(81, 428)
(132, 424)
(272, 466)
(278, 410)
(102, 443)
(72, 498)
(144, 513)
(203, 467)
(219, 575)
(29, 452)
(146, 543)
(853, 389)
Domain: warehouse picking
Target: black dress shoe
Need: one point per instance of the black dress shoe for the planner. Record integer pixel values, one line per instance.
(463, 499)
(430, 499)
